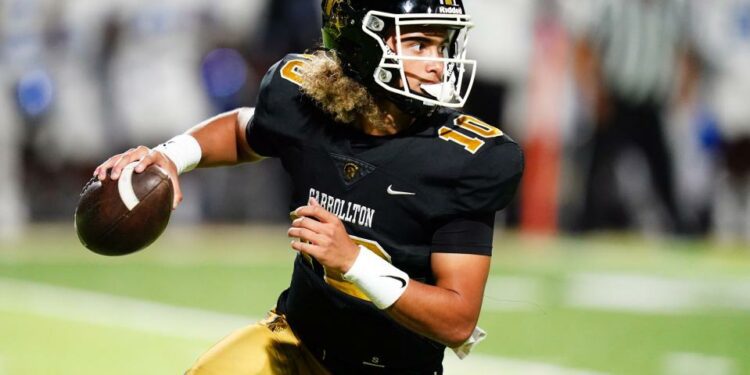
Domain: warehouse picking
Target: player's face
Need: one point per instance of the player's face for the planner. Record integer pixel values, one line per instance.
(421, 41)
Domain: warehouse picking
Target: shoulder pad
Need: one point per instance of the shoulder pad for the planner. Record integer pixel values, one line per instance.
(492, 164)
(284, 75)
(469, 132)
(489, 181)
(279, 112)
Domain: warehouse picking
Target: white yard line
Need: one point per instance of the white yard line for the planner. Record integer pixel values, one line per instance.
(134, 314)
(680, 363)
(513, 293)
(482, 364)
(114, 311)
(656, 295)
(620, 292)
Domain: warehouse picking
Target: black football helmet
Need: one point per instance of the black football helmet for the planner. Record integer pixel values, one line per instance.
(358, 30)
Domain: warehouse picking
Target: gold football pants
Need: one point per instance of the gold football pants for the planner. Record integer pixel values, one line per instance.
(268, 347)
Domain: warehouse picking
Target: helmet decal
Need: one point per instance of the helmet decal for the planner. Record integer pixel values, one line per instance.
(329, 6)
(338, 13)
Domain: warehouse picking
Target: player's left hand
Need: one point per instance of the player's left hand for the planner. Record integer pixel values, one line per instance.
(323, 236)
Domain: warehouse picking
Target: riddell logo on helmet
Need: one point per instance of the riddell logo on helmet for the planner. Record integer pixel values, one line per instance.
(451, 10)
(450, 7)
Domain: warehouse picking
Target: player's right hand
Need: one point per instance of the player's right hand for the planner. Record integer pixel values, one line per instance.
(146, 157)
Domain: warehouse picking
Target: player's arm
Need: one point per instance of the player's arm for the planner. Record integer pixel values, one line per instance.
(223, 139)
(448, 311)
(220, 140)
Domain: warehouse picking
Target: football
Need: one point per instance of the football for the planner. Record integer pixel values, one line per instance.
(119, 217)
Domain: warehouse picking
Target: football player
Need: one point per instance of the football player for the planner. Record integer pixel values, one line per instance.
(395, 192)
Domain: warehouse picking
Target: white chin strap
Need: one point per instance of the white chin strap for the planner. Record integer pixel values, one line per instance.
(444, 92)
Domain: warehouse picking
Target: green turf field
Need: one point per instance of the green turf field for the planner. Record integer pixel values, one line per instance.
(609, 304)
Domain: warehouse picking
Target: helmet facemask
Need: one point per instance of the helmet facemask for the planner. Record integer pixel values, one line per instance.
(457, 74)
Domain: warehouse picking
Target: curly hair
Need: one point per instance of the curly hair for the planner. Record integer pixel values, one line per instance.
(324, 81)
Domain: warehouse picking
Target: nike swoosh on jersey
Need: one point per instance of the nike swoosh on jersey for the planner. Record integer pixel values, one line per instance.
(403, 282)
(396, 192)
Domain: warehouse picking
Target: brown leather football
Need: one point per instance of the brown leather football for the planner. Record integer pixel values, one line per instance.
(123, 216)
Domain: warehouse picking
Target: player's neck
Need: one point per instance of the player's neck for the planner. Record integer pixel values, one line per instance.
(394, 121)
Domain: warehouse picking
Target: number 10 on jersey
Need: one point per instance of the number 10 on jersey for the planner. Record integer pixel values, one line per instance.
(472, 125)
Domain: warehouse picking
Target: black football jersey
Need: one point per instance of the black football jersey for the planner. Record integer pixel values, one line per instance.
(393, 194)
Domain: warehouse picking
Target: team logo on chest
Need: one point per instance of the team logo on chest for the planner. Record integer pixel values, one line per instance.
(351, 171)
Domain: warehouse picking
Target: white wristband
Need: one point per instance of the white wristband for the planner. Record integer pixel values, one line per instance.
(379, 280)
(245, 114)
(184, 151)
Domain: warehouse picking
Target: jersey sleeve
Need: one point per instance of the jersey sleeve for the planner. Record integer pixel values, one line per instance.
(486, 184)
(465, 235)
(489, 180)
(277, 119)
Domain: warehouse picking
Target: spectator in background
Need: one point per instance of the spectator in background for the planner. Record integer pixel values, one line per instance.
(278, 26)
(626, 63)
(292, 25)
(721, 35)
(158, 48)
(25, 98)
(52, 85)
(504, 30)
(154, 73)
(14, 214)
(76, 45)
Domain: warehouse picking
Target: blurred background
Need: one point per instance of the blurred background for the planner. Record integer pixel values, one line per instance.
(627, 249)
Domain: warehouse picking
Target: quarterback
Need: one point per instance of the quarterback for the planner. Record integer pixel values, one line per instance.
(394, 193)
